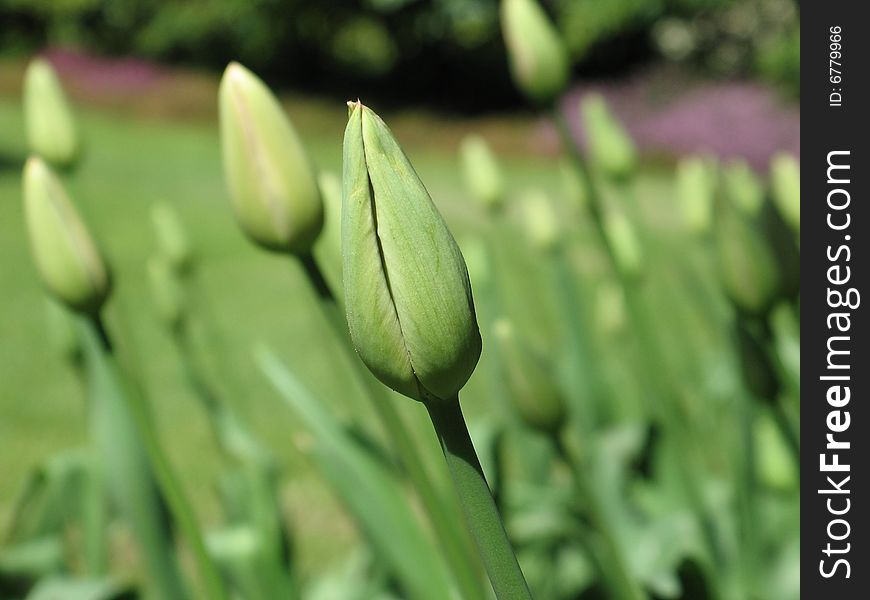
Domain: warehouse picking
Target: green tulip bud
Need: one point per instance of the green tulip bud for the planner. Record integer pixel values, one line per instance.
(785, 180)
(172, 242)
(696, 188)
(66, 256)
(743, 187)
(747, 265)
(623, 241)
(409, 304)
(611, 149)
(63, 333)
(481, 172)
(775, 463)
(166, 291)
(573, 185)
(536, 397)
(270, 179)
(51, 129)
(538, 59)
(539, 220)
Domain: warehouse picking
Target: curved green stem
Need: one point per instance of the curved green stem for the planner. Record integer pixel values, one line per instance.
(181, 510)
(442, 518)
(481, 514)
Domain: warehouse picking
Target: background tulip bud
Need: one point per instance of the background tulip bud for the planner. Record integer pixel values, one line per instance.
(785, 181)
(536, 398)
(747, 266)
(172, 242)
(66, 256)
(51, 129)
(538, 58)
(166, 292)
(622, 238)
(743, 187)
(539, 220)
(409, 304)
(696, 186)
(481, 172)
(270, 178)
(611, 149)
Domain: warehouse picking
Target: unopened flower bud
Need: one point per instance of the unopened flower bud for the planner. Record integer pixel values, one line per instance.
(785, 180)
(611, 149)
(696, 187)
(536, 397)
(270, 178)
(66, 256)
(166, 291)
(538, 58)
(747, 265)
(623, 241)
(481, 172)
(409, 304)
(743, 187)
(172, 241)
(540, 221)
(51, 129)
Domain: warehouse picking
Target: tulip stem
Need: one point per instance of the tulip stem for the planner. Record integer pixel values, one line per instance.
(168, 482)
(481, 513)
(449, 535)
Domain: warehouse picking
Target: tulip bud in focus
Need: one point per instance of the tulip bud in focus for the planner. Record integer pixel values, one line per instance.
(540, 221)
(747, 265)
(172, 242)
(166, 291)
(610, 148)
(538, 58)
(743, 188)
(481, 172)
(696, 187)
(66, 256)
(785, 180)
(409, 304)
(271, 181)
(623, 241)
(51, 129)
(536, 396)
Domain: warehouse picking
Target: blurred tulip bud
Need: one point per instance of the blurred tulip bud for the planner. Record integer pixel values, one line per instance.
(66, 256)
(755, 364)
(623, 241)
(270, 178)
(786, 326)
(775, 463)
(696, 188)
(536, 396)
(611, 149)
(785, 180)
(743, 187)
(481, 172)
(166, 291)
(540, 221)
(573, 185)
(409, 304)
(63, 334)
(538, 58)
(172, 242)
(747, 265)
(51, 129)
(328, 247)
